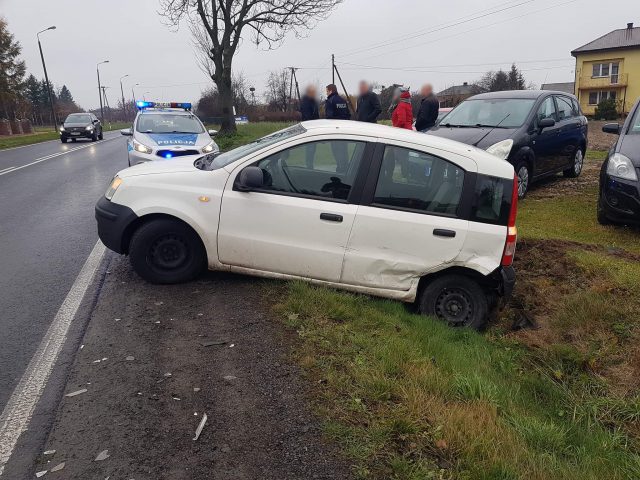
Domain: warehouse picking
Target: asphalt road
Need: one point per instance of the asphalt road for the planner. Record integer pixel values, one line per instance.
(47, 230)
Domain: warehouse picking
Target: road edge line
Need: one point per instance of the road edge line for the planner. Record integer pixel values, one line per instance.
(17, 413)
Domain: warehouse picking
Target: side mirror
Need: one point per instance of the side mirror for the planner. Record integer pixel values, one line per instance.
(126, 132)
(612, 128)
(96, 121)
(251, 178)
(546, 123)
(213, 133)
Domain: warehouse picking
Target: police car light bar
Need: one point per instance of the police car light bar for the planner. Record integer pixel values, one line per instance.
(142, 105)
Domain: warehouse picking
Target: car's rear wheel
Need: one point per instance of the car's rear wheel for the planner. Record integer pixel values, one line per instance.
(523, 171)
(167, 251)
(578, 163)
(457, 300)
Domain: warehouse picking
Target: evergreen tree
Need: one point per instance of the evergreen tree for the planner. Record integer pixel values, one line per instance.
(64, 95)
(12, 71)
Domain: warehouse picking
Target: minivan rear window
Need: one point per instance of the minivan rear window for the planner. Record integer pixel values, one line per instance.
(492, 200)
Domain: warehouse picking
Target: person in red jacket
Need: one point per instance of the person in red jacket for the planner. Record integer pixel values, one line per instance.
(402, 116)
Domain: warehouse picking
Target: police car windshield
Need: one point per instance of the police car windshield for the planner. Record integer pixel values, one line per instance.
(214, 161)
(168, 123)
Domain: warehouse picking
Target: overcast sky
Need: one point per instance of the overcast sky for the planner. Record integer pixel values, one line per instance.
(537, 34)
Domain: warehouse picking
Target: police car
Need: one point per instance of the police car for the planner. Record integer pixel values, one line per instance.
(165, 131)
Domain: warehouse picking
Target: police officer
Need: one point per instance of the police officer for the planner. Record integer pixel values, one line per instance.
(336, 107)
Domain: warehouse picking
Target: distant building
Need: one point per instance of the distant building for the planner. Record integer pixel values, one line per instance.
(609, 67)
(455, 95)
(566, 87)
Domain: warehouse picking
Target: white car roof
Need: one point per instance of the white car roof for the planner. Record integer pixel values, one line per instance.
(487, 164)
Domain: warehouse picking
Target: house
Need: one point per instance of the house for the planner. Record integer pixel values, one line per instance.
(455, 95)
(609, 67)
(566, 87)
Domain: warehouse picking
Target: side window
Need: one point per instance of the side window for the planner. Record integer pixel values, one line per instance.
(492, 200)
(547, 110)
(576, 107)
(323, 169)
(418, 181)
(565, 108)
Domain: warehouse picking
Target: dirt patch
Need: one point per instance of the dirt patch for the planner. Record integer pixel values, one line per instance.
(598, 140)
(560, 186)
(156, 358)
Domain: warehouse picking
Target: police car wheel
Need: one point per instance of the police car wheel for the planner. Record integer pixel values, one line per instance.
(167, 251)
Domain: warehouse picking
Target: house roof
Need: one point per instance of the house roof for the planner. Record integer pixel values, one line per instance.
(464, 89)
(618, 39)
(566, 87)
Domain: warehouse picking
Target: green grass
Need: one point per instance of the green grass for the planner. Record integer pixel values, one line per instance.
(247, 133)
(44, 134)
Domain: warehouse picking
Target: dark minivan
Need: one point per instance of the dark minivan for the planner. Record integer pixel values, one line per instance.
(619, 199)
(539, 132)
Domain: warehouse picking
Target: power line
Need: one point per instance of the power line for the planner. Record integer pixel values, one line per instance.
(426, 69)
(473, 64)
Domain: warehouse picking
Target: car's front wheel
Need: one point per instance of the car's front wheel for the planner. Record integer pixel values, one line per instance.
(167, 251)
(457, 300)
(576, 168)
(602, 216)
(524, 177)
(63, 139)
(101, 136)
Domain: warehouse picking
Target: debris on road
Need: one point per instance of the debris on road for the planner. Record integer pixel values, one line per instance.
(200, 426)
(40, 474)
(58, 467)
(214, 342)
(130, 358)
(103, 455)
(77, 392)
(168, 374)
(229, 378)
(196, 389)
(49, 452)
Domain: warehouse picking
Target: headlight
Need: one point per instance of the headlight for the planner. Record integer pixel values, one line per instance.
(90, 127)
(139, 147)
(115, 183)
(62, 129)
(501, 149)
(209, 148)
(621, 167)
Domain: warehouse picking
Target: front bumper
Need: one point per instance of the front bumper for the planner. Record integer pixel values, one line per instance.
(136, 157)
(114, 221)
(620, 199)
(83, 134)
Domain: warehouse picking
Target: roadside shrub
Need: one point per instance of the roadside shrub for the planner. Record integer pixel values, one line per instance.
(607, 110)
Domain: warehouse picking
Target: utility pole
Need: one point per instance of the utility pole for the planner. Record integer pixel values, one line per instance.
(333, 69)
(100, 90)
(336, 71)
(294, 78)
(46, 79)
(106, 100)
(124, 108)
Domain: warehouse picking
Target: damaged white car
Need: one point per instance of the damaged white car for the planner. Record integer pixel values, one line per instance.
(361, 207)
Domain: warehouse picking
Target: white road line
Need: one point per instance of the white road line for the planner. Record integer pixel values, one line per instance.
(5, 169)
(18, 411)
(54, 155)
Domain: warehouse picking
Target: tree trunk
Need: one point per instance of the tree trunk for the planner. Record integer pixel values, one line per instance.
(225, 90)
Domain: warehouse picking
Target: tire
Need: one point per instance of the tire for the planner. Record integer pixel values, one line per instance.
(166, 251)
(602, 216)
(578, 163)
(73, 140)
(63, 139)
(101, 136)
(94, 137)
(523, 171)
(457, 300)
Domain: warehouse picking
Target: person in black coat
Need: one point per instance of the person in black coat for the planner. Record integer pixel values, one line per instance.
(309, 105)
(428, 113)
(335, 107)
(368, 104)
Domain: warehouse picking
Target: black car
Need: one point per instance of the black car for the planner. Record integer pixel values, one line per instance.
(539, 132)
(619, 199)
(81, 125)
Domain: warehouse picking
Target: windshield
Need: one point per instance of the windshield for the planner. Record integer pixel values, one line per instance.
(217, 160)
(78, 119)
(490, 112)
(635, 123)
(167, 123)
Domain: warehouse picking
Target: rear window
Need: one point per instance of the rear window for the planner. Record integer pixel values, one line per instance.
(492, 200)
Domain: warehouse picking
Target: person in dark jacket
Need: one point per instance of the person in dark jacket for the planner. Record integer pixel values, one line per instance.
(309, 105)
(368, 104)
(428, 112)
(336, 107)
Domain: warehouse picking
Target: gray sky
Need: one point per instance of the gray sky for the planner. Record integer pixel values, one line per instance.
(130, 34)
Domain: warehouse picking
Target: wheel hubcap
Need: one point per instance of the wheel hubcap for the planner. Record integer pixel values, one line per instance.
(523, 180)
(578, 162)
(454, 306)
(168, 252)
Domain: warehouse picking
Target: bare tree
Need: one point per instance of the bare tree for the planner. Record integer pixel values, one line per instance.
(277, 94)
(218, 27)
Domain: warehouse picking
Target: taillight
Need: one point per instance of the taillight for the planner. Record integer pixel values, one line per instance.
(512, 231)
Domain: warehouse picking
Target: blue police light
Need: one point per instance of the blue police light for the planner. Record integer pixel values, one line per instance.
(168, 155)
(140, 104)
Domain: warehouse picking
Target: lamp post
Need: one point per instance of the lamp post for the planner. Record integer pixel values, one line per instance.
(46, 77)
(100, 90)
(124, 110)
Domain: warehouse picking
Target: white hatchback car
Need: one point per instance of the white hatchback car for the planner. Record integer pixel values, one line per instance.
(365, 208)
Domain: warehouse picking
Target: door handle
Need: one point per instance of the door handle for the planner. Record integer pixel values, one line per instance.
(331, 217)
(441, 232)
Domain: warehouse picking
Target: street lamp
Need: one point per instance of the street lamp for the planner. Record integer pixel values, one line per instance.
(100, 90)
(124, 111)
(46, 77)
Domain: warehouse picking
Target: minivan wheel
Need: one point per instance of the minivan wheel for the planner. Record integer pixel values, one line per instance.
(578, 163)
(167, 251)
(456, 299)
(524, 178)
(602, 217)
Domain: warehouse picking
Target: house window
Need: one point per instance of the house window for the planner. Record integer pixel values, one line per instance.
(596, 97)
(609, 69)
